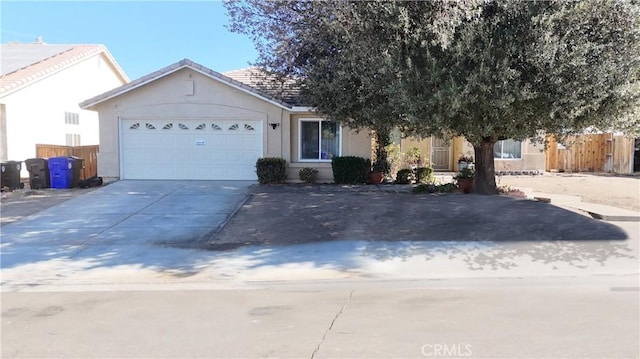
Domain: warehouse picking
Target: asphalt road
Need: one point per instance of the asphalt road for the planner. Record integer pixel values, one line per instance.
(498, 318)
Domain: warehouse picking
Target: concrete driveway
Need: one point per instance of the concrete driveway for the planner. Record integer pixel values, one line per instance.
(172, 213)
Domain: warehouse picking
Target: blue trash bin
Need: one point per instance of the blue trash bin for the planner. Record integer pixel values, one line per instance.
(61, 172)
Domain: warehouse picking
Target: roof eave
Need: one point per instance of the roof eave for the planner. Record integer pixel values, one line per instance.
(300, 109)
(101, 49)
(186, 63)
(123, 76)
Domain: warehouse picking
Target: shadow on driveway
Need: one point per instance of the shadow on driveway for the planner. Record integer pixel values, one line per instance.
(291, 229)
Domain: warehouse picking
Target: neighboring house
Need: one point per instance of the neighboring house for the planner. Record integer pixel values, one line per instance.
(186, 121)
(40, 88)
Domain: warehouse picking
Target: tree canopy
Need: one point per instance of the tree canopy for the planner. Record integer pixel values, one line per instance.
(485, 70)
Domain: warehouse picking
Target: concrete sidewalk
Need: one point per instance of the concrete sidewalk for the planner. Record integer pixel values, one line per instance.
(597, 211)
(160, 267)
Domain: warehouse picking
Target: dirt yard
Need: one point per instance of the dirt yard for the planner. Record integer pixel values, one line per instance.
(611, 190)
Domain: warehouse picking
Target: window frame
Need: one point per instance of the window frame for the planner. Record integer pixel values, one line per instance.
(319, 121)
(73, 139)
(71, 118)
(502, 151)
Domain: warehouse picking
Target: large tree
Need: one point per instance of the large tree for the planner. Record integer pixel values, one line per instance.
(514, 69)
(485, 70)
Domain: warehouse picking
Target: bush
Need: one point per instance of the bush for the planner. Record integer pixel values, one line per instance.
(434, 188)
(271, 170)
(350, 169)
(405, 176)
(424, 175)
(308, 175)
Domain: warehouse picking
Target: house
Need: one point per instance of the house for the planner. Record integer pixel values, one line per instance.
(186, 121)
(40, 88)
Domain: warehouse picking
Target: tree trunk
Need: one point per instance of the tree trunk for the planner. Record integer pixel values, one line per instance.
(382, 141)
(485, 180)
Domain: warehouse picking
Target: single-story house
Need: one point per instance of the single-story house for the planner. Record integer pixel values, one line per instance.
(186, 121)
(40, 87)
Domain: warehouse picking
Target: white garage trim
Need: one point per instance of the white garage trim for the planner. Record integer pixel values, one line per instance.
(190, 149)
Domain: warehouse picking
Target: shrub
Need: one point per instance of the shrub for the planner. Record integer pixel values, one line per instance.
(414, 156)
(465, 173)
(434, 188)
(308, 175)
(424, 175)
(405, 176)
(271, 170)
(350, 169)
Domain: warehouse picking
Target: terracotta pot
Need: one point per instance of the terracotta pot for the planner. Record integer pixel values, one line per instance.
(466, 184)
(376, 177)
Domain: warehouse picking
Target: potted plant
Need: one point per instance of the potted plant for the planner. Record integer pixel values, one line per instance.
(378, 171)
(465, 179)
(465, 161)
(381, 165)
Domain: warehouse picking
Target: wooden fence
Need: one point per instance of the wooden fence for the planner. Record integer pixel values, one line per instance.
(88, 153)
(591, 153)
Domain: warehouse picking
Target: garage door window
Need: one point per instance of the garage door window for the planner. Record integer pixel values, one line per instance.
(319, 140)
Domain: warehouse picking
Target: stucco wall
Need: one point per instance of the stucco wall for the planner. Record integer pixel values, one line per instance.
(36, 113)
(353, 144)
(3, 133)
(533, 158)
(169, 97)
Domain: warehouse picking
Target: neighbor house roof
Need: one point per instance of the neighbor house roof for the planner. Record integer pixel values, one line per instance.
(269, 96)
(24, 64)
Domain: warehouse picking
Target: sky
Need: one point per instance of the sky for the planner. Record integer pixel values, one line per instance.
(143, 36)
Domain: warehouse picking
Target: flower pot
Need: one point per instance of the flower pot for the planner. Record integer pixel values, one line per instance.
(376, 177)
(463, 165)
(466, 184)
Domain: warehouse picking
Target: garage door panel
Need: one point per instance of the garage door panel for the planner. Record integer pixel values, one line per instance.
(190, 149)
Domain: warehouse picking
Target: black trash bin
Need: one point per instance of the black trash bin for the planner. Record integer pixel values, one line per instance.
(77, 164)
(11, 175)
(38, 172)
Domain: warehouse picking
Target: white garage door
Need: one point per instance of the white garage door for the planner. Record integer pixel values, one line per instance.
(190, 149)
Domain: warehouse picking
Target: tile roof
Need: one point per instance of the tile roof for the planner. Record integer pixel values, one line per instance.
(286, 90)
(23, 64)
(165, 71)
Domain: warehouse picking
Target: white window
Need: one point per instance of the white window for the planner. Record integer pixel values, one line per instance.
(71, 118)
(508, 149)
(72, 139)
(319, 140)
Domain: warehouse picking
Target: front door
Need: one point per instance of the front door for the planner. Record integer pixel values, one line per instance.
(440, 154)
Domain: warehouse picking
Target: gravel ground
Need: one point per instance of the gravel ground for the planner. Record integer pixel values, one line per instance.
(607, 189)
(292, 214)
